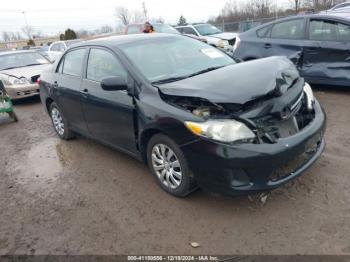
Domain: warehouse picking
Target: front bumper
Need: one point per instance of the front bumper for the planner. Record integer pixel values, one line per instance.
(22, 91)
(251, 168)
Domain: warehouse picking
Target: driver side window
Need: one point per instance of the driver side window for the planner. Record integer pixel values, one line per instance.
(102, 64)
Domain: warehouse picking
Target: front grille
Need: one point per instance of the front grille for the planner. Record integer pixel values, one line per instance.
(29, 92)
(232, 41)
(293, 165)
(290, 121)
(34, 79)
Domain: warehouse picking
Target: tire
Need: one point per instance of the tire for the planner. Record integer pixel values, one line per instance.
(174, 176)
(60, 123)
(13, 116)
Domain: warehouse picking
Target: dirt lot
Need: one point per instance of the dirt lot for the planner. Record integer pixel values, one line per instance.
(79, 197)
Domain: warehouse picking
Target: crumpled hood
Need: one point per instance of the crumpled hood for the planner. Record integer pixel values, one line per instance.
(238, 83)
(27, 71)
(225, 36)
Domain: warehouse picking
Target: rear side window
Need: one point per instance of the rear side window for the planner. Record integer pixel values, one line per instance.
(134, 29)
(73, 62)
(59, 47)
(293, 29)
(321, 30)
(264, 32)
(189, 31)
(102, 64)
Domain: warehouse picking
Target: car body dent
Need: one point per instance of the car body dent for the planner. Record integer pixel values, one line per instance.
(319, 62)
(238, 83)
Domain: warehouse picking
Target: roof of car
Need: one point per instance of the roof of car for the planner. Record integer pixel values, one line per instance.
(332, 15)
(114, 41)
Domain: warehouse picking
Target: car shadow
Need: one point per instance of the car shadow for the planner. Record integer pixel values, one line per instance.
(27, 100)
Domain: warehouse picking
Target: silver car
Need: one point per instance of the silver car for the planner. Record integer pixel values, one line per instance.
(19, 72)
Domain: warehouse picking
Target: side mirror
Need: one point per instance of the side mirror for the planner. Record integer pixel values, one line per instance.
(114, 83)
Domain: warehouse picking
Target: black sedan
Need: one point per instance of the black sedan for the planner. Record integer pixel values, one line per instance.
(319, 45)
(191, 112)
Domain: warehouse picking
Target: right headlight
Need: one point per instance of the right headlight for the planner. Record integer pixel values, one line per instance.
(223, 43)
(225, 130)
(310, 99)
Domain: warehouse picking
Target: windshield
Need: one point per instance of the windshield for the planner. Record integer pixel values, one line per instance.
(170, 57)
(21, 59)
(160, 28)
(207, 29)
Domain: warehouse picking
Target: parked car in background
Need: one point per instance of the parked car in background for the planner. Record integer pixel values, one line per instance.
(343, 7)
(211, 34)
(158, 28)
(189, 110)
(319, 45)
(57, 48)
(19, 72)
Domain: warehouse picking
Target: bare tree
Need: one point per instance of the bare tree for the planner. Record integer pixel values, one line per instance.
(296, 5)
(106, 29)
(6, 36)
(28, 31)
(144, 10)
(123, 15)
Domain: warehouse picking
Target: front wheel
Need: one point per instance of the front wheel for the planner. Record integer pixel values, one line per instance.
(60, 123)
(169, 166)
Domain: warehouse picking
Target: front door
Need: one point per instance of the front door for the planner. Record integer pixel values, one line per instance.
(109, 114)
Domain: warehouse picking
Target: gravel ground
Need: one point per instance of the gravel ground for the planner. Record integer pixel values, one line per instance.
(79, 197)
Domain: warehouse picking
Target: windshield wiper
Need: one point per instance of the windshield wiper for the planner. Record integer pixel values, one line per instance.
(205, 71)
(174, 79)
(169, 80)
(14, 67)
(32, 64)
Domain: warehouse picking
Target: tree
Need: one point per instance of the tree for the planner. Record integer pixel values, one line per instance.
(144, 10)
(6, 36)
(31, 42)
(61, 37)
(182, 20)
(106, 29)
(123, 15)
(69, 34)
(28, 31)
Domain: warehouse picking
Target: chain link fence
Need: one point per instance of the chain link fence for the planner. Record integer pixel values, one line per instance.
(243, 26)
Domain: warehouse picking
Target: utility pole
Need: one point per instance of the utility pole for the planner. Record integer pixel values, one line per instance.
(26, 23)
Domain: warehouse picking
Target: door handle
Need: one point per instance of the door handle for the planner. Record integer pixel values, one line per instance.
(267, 46)
(84, 92)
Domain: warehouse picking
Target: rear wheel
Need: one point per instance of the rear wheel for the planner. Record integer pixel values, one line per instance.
(60, 123)
(169, 166)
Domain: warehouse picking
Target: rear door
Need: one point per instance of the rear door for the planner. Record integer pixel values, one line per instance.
(109, 114)
(286, 39)
(328, 59)
(66, 88)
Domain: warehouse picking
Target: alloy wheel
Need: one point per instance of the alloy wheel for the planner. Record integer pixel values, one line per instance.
(57, 121)
(166, 166)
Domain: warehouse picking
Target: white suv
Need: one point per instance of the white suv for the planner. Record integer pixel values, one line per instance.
(211, 34)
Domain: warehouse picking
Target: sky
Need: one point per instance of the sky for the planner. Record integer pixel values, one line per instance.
(51, 17)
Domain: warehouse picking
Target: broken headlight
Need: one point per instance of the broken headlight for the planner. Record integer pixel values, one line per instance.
(310, 99)
(11, 80)
(225, 130)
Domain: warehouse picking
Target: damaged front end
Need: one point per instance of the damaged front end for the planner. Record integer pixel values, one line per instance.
(269, 117)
